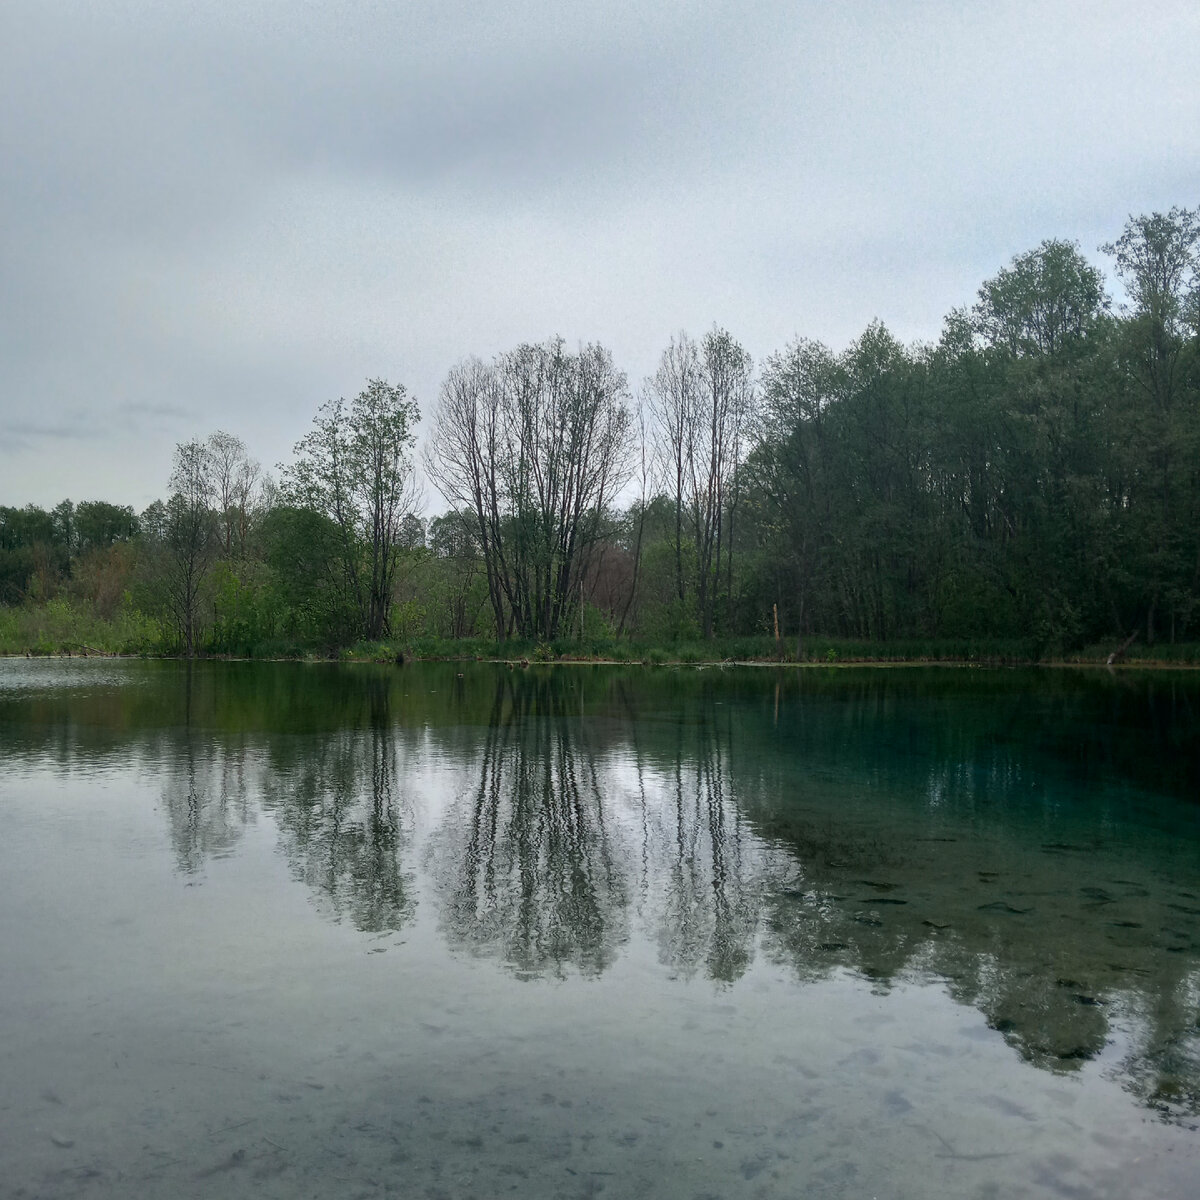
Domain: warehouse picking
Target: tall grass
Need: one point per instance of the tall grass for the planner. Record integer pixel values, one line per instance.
(61, 627)
(1176, 654)
(729, 649)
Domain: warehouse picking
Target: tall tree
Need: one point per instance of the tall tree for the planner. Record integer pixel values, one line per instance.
(1044, 324)
(790, 476)
(536, 446)
(672, 395)
(236, 478)
(727, 396)
(700, 398)
(1158, 262)
(1045, 298)
(355, 468)
(463, 459)
(190, 539)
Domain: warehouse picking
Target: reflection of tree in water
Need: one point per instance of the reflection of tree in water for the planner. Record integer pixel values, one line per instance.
(567, 814)
(818, 829)
(333, 792)
(335, 797)
(206, 794)
(207, 803)
(529, 860)
(703, 870)
(684, 812)
(1056, 961)
(1163, 1064)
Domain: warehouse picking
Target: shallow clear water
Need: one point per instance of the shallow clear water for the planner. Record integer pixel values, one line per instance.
(453, 931)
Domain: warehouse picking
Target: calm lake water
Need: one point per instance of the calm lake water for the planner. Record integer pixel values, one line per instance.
(455, 931)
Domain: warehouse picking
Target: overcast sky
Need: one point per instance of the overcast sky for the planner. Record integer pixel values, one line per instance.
(222, 214)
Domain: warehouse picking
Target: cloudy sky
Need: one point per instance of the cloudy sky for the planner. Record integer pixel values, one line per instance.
(221, 213)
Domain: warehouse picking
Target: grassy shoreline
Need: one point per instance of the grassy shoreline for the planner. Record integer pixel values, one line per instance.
(660, 658)
(60, 629)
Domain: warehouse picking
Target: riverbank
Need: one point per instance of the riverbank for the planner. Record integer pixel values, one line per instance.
(1184, 658)
(60, 628)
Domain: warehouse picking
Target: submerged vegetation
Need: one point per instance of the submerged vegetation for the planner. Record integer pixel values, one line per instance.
(1027, 488)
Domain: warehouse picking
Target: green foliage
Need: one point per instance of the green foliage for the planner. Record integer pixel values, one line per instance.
(407, 620)
(354, 471)
(302, 548)
(249, 611)
(1048, 299)
(61, 626)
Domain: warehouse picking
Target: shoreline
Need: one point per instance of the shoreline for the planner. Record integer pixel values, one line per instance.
(707, 664)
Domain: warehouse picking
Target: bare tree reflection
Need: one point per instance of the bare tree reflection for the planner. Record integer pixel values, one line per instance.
(705, 870)
(569, 816)
(530, 862)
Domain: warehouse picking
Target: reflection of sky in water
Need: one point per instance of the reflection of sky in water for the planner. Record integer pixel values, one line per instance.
(549, 884)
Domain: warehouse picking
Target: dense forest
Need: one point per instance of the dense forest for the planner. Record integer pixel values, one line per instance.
(1032, 480)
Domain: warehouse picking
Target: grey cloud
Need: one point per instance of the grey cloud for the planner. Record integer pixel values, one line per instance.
(23, 434)
(81, 425)
(136, 410)
(222, 214)
(142, 124)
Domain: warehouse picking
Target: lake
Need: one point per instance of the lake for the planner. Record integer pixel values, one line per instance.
(460, 930)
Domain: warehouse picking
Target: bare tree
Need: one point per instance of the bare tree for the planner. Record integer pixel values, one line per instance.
(672, 394)
(190, 538)
(644, 471)
(700, 397)
(462, 459)
(728, 395)
(236, 483)
(536, 445)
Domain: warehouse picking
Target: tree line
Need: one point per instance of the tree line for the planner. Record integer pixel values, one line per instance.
(1034, 474)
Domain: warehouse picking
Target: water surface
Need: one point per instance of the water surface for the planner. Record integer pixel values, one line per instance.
(452, 931)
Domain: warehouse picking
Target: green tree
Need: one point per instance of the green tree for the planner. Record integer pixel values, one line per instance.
(355, 469)
(1158, 262)
(1046, 337)
(1044, 299)
(99, 525)
(303, 550)
(33, 557)
(454, 541)
(790, 499)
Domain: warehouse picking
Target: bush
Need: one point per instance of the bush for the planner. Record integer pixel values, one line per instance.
(62, 627)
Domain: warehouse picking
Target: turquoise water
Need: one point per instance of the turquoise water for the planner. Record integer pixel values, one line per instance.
(458, 930)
